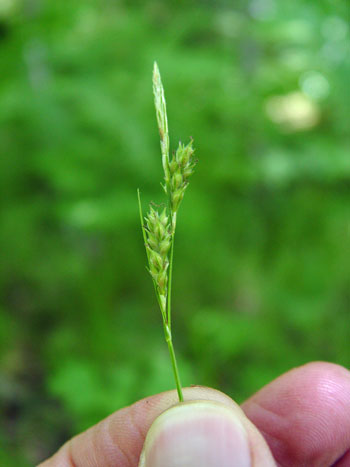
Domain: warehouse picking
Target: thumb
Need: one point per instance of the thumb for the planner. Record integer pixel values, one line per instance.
(204, 433)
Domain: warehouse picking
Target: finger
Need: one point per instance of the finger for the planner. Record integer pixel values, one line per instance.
(118, 439)
(207, 434)
(304, 414)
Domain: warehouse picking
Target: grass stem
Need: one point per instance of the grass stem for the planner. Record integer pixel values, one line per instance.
(169, 341)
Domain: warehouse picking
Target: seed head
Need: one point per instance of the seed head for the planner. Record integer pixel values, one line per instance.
(181, 167)
(158, 242)
(158, 229)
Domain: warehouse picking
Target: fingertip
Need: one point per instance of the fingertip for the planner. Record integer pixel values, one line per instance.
(196, 433)
(206, 433)
(305, 414)
(326, 370)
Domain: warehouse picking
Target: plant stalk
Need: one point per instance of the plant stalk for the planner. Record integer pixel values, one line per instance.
(169, 341)
(171, 260)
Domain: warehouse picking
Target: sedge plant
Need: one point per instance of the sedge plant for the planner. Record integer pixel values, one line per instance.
(159, 226)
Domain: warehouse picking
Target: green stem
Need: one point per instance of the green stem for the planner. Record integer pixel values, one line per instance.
(169, 341)
(171, 260)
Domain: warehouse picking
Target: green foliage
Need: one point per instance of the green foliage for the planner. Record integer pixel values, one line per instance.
(262, 251)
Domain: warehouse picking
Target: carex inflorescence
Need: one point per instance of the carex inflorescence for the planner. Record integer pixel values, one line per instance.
(181, 168)
(158, 228)
(158, 243)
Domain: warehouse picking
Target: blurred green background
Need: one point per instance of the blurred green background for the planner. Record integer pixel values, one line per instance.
(262, 257)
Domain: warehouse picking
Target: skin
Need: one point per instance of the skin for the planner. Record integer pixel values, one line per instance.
(302, 418)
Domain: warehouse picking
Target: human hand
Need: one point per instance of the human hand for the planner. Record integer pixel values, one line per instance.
(300, 419)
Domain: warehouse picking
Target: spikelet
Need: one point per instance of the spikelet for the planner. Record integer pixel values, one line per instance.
(181, 167)
(158, 243)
